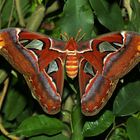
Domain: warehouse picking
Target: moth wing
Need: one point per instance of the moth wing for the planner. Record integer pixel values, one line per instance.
(105, 60)
(25, 51)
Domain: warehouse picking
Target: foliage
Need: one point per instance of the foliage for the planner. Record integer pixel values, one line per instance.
(21, 114)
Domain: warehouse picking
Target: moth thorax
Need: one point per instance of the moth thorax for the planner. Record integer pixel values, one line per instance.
(71, 66)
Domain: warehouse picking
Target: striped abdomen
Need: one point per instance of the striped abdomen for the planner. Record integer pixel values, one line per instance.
(71, 66)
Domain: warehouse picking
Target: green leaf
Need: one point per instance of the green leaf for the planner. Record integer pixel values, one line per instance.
(108, 15)
(99, 126)
(25, 6)
(27, 112)
(6, 11)
(3, 75)
(56, 137)
(135, 20)
(14, 105)
(118, 134)
(39, 124)
(7, 8)
(133, 128)
(128, 100)
(3, 138)
(77, 14)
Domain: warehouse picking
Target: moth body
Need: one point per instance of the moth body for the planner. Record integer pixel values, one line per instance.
(71, 66)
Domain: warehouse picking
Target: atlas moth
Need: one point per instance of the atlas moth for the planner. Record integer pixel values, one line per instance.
(99, 63)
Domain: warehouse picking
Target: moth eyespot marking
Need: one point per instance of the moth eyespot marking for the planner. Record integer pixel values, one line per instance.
(32, 45)
(53, 67)
(89, 69)
(106, 47)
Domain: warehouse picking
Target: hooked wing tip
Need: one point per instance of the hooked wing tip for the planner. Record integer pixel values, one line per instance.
(51, 107)
(89, 108)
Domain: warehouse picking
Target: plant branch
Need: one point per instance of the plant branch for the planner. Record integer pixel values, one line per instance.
(77, 124)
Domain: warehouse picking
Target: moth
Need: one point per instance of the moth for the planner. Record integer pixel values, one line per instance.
(99, 63)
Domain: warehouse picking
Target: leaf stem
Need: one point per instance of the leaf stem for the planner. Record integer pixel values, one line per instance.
(2, 96)
(20, 13)
(3, 75)
(36, 18)
(1, 8)
(4, 91)
(6, 133)
(77, 124)
(11, 14)
(66, 115)
(128, 7)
